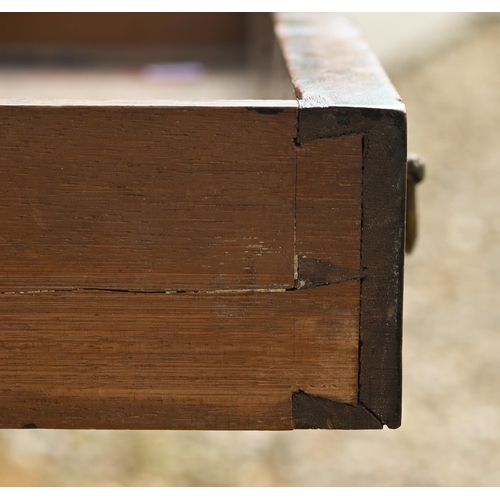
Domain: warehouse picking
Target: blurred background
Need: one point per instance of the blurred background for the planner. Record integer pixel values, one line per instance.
(447, 69)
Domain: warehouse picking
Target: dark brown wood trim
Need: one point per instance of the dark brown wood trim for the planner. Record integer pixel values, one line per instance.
(313, 412)
(319, 272)
(342, 90)
(382, 248)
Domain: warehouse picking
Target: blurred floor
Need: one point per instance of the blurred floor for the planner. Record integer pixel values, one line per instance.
(451, 423)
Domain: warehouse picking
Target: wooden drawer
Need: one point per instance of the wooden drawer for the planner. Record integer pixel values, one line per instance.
(234, 262)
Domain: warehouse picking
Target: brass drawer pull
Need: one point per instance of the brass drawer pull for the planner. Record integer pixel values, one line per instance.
(416, 173)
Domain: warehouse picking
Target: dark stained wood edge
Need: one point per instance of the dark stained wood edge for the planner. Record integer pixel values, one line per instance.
(317, 272)
(342, 90)
(313, 412)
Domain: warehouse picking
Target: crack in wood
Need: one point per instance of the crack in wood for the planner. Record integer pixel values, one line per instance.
(309, 273)
(157, 292)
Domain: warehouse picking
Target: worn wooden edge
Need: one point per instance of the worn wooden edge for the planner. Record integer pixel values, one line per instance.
(265, 106)
(382, 258)
(342, 90)
(330, 63)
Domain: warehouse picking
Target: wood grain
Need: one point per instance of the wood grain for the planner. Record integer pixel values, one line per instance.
(208, 265)
(104, 209)
(342, 91)
(182, 361)
(152, 199)
(328, 220)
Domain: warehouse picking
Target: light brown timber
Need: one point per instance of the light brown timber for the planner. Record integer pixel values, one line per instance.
(183, 361)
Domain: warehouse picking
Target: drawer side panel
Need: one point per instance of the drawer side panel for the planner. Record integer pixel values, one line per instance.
(181, 361)
(151, 199)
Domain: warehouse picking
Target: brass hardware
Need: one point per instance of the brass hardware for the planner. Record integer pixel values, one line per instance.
(416, 172)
